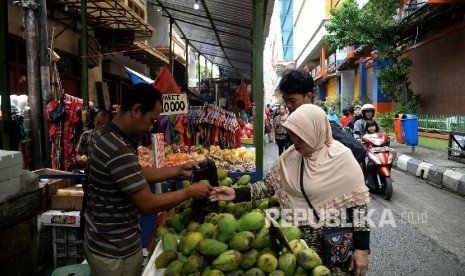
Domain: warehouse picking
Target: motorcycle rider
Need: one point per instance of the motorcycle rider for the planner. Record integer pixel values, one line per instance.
(368, 112)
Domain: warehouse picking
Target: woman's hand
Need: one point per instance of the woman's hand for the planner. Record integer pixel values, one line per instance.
(222, 193)
(359, 262)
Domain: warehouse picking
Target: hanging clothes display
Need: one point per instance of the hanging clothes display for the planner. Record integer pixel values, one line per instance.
(211, 125)
(62, 134)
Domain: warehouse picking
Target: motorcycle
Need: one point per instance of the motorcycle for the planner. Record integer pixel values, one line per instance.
(379, 163)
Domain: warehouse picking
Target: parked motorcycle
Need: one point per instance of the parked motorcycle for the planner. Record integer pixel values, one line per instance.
(379, 163)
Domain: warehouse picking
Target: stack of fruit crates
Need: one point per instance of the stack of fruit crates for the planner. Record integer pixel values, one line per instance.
(67, 247)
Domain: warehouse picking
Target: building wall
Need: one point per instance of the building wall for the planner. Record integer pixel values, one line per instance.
(357, 84)
(66, 42)
(331, 88)
(438, 74)
(308, 16)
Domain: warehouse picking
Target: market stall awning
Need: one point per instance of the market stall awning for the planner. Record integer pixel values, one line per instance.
(108, 14)
(221, 31)
(145, 54)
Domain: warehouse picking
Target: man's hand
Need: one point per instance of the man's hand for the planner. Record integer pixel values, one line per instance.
(359, 262)
(186, 169)
(198, 191)
(222, 193)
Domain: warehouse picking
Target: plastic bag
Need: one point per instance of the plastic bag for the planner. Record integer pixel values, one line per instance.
(166, 83)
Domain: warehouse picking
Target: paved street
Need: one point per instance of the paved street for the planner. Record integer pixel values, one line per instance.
(423, 230)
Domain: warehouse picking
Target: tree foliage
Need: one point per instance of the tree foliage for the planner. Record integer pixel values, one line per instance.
(374, 26)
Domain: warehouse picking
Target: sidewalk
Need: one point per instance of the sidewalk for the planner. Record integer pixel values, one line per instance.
(431, 165)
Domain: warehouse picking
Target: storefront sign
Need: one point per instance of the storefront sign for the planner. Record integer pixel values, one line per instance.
(174, 104)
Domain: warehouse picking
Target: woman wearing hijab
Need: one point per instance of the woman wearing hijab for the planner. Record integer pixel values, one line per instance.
(312, 158)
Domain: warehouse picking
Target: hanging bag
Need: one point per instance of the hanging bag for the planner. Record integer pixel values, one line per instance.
(338, 242)
(59, 112)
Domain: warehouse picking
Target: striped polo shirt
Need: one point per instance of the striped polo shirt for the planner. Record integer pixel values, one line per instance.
(112, 220)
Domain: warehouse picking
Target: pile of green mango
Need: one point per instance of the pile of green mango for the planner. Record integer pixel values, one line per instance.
(236, 241)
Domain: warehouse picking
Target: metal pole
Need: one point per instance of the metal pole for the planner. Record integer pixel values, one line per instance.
(4, 77)
(205, 75)
(44, 62)
(170, 55)
(257, 81)
(198, 68)
(84, 67)
(187, 63)
(35, 98)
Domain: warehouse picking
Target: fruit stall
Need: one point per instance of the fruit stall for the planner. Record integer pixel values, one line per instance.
(234, 240)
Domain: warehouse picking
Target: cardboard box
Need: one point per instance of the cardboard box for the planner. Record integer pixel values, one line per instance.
(61, 218)
(67, 202)
(53, 184)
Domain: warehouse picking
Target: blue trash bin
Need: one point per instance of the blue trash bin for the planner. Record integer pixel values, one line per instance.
(410, 129)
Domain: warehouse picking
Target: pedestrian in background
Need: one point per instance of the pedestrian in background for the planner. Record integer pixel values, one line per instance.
(346, 118)
(332, 116)
(279, 130)
(269, 124)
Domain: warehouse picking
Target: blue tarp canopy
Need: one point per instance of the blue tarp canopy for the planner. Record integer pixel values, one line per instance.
(137, 77)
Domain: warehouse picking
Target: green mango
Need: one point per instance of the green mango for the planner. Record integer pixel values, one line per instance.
(242, 241)
(267, 263)
(308, 258)
(229, 208)
(254, 272)
(194, 264)
(191, 243)
(249, 259)
(211, 247)
(226, 227)
(175, 223)
(287, 263)
(161, 231)
(193, 226)
(170, 242)
(263, 238)
(291, 233)
(241, 208)
(252, 221)
(207, 229)
(277, 273)
(165, 258)
(186, 216)
(215, 272)
(228, 261)
(321, 270)
(244, 180)
(175, 268)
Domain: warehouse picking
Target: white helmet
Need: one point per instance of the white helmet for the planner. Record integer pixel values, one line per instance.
(367, 107)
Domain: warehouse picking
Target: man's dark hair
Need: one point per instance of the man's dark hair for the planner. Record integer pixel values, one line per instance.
(105, 113)
(345, 111)
(240, 104)
(296, 81)
(142, 93)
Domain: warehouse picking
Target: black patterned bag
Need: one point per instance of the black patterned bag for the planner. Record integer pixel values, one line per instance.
(338, 242)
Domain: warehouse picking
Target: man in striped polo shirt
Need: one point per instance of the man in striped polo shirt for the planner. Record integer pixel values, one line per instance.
(118, 189)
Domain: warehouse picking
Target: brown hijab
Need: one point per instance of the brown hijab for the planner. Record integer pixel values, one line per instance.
(332, 177)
